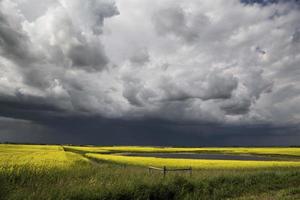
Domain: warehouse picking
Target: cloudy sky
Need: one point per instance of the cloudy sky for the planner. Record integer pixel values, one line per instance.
(159, 72)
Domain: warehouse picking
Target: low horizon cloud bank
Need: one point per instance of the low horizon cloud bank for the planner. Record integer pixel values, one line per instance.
(195, 63)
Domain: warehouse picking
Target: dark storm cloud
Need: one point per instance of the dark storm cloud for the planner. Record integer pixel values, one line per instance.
(296, 36)
(86, 56)
(101, 131)
(190, 72)
(14, 44)
(24, 131)
(29, 108)
(237, 107)
(36, 76)
(212, 86)
(267, 2)
(157, 132)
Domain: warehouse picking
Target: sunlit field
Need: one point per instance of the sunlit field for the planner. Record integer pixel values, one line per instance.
(196, 164)
(73, 172)
(37, 157)
(230, 150)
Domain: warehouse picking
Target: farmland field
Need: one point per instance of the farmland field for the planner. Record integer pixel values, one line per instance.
(75, 172)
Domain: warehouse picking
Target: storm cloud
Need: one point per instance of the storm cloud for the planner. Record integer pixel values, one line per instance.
(226, 65)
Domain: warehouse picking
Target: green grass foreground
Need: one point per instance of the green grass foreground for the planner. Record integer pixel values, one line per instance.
(50, 172)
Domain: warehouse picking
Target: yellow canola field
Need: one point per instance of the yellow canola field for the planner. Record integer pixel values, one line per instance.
(292, 151)
(54, 156)
(37, 157)
(87, 149)
(198, 164)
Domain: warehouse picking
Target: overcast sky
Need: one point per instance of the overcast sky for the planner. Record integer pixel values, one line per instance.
(159, 72)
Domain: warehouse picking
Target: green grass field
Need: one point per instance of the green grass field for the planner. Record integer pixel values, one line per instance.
(70, 172)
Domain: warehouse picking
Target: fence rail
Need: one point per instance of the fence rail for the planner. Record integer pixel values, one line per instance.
(165, 169)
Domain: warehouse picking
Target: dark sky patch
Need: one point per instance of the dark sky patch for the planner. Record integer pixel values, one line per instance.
(267, 2)
(97, 131)
(94, 72)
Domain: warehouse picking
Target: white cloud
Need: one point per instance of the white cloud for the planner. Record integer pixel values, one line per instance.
(194, 60)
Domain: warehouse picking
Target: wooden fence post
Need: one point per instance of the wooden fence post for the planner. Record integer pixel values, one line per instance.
(164, 170)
